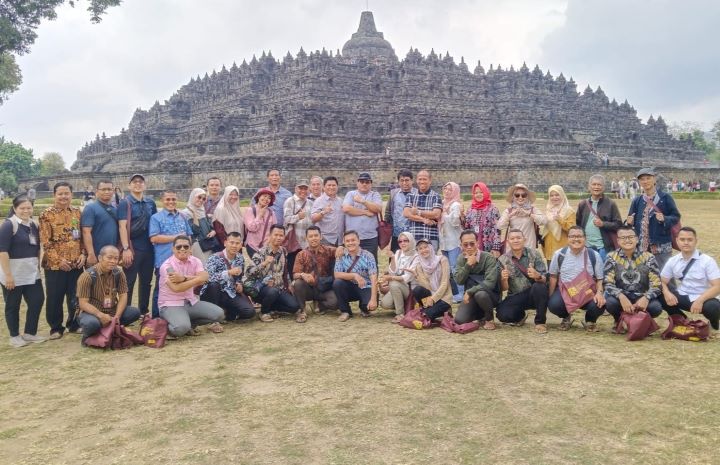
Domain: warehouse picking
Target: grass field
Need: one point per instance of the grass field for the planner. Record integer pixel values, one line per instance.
(368, 392)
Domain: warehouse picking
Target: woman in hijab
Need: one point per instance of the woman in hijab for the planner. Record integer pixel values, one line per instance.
(204, 240)
(559, 216)
(228, 217)
(432, 273)
(482, 218)
(521, 214)
(399, 278)
(450, 229)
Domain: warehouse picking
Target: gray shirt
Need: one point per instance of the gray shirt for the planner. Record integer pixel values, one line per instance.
(332, 225)
(365, 226)
(573, 264)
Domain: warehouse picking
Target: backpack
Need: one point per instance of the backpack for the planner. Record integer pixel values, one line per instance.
(94, 275)
(563, 252)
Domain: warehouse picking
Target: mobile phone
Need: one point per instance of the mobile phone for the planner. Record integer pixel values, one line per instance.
(170, 270)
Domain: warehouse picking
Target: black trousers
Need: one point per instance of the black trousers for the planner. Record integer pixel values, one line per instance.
(236, 308)
(143, 265)
(710, 308)
(436, 310)
(34, 298)
(556, 305)
(612, 305)
(371, 245)
(347, 292)
(306, 293)
(273, 299)
(480, 308)
(512, 309)
(61, 286)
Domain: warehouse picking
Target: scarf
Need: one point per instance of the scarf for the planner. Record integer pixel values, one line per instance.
(431, 268)
(487, 199)
(645, 224)
(407, 257)
(564, 209)
(228, 214)
(450, 199)
(195, 212)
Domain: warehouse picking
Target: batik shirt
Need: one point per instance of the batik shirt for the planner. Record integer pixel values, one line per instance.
(638, 275)
(517, 281)
(217, 267)
(365, 266)
(272, 275)
(60, 236)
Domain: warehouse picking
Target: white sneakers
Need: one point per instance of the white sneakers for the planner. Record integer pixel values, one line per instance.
(25, 339)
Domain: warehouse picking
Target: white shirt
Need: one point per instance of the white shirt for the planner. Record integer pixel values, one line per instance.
(451, 228)
(697, 279)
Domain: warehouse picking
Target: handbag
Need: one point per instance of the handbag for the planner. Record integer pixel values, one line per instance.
(102, 339)
(114, 336)
(384, 231)
(448, 324)
(637, 326)
(680, 327)
(153, 331)
(415, 319)
(674, 229)
(611, 234)
(325, 283)
(580, 290)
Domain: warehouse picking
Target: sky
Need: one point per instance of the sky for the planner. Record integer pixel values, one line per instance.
(80, 79)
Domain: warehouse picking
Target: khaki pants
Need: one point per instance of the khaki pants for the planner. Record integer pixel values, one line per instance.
(395, 298)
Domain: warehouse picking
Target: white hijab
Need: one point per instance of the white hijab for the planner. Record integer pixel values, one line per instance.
(228, 214)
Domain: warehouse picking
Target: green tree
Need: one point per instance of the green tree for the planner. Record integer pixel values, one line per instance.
(8, 183)
(18, 23)
(17, 160)
(52, 163)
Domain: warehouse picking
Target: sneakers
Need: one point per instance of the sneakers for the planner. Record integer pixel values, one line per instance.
(344, 317)
(33, 338)
(18, 341)
(56, 335)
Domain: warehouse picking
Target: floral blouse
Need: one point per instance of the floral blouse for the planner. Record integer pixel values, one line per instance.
(484, 223)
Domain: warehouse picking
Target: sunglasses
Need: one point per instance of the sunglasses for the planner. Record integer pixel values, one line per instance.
(182, 247)
(400, 241)
(521, 196)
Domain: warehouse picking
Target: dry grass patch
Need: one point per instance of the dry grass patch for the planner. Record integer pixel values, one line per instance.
(367, 392)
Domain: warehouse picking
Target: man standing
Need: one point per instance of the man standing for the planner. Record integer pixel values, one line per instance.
(297, 219)
(396, 205)
(478, 271)
(355, 278)
(424, 210)
(699, 281)
(138, 257)
(281, 194)
(268, 270)
(99, 222)
(313, 273)
(523, 277)
(327, 213)
(63, 258)
(214, 190)
(652, 214)
(632, 278)
(165, 226)
(224, 287)
(316, 188)
(361, 208)
(599, 217)
(102, 294)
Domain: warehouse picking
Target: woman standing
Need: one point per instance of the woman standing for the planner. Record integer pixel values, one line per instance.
(482, 218)
(205, 242)
(20, 272)
(228, 217)
(521, 214)
(450, 229)
(559, 216)
(259, 218)
(433, 276)
(399, 277)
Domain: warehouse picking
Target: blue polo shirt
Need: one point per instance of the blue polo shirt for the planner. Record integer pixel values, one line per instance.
(102, 219)
(164, 223)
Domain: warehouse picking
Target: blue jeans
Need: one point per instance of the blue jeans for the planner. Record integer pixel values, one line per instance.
(452, 255)
(90, 324)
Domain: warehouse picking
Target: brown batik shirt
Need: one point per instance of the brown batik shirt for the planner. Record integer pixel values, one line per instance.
(60, 236)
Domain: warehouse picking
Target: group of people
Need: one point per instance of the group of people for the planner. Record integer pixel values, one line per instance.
(314, 251)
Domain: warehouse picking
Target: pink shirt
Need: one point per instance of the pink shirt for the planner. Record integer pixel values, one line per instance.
(169, 298)
(258, 229)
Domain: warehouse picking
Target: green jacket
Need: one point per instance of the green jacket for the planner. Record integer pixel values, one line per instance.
(487, 266)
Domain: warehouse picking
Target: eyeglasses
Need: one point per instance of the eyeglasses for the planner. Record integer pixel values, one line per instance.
(576, 236)
(400, 241)
(202, 197)
(182, 247)
(469, 244)
(518, 196)
(627, 238)
(105, 189)
(170, 199)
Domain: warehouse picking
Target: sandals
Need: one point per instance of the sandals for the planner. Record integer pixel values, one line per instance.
(489, 325)
(541, 329)
(566, 323)
(266, 318)
(397, 319)
(216, 328)
(193, 332)
(590, 327)
(344, 317)
(301, 317)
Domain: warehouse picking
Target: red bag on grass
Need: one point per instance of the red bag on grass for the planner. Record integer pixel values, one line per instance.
(680, 327)
(114, 336)
(415, 319)
(153, 331)
(637, 326)
(448, 324)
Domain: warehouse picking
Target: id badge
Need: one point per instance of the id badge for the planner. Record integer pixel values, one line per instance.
(32, 239)
(76, 234)
(107, 302)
